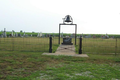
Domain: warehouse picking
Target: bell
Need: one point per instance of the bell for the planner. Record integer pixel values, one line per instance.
(68, 18)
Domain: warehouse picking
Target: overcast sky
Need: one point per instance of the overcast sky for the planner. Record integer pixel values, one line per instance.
(91, 16)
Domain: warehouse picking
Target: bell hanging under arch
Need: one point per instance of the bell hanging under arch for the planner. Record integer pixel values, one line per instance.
(68, 19)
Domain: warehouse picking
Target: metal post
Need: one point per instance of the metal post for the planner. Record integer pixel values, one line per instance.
(75, 32)
(80, 46)
(116, 47)
(50, 45)
(0, 39)
(59, 35)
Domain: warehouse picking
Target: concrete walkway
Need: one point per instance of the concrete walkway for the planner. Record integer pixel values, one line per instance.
(67, 50)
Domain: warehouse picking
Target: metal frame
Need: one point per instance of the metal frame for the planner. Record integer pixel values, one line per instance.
(67, 24)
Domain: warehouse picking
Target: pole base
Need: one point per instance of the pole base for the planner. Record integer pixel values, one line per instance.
(50, 50)
(80, 51)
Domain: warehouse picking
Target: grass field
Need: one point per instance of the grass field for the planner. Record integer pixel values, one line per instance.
(20, 61)
(15, 65)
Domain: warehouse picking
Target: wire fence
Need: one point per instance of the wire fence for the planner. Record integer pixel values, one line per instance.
(54, 44)
(24, 44)
(99, 45)
(89, 45)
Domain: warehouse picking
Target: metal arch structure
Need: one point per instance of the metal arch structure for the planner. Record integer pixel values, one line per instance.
(67, 24)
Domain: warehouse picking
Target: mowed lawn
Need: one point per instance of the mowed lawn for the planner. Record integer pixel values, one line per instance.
(17, 62)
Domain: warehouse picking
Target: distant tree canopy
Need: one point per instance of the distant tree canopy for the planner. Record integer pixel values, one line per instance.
(21, 31)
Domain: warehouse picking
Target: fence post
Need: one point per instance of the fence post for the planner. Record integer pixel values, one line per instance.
(116, 47)
(80, 46)
(50, 45)
(0, 39)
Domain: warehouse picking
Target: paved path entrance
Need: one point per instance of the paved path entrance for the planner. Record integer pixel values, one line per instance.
(67, 50)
